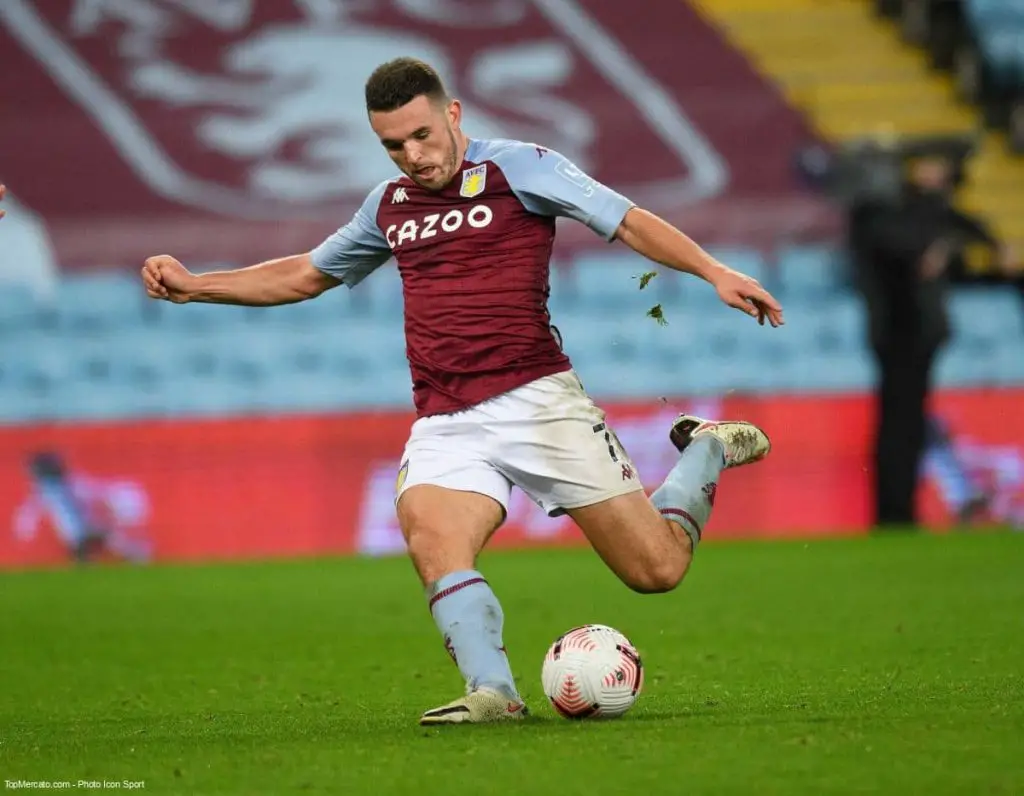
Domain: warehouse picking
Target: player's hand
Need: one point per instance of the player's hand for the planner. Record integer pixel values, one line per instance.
(166, 278)
(745, 294)
(3, 190)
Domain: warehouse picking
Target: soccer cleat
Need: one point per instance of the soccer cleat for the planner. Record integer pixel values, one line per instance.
(478, 707)
(744, 442)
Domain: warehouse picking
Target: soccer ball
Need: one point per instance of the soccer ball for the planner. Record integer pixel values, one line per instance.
(592, 671)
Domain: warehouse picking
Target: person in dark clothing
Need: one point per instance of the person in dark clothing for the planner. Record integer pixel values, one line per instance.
(904, 253)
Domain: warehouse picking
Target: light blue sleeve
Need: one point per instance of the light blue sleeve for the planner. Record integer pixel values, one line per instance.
(358, 248)
(549, 184)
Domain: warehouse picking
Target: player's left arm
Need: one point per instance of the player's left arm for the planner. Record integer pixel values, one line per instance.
(3, 190)
(657, 240)
(548, 183)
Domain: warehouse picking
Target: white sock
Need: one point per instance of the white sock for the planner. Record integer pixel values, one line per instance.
(688, 493)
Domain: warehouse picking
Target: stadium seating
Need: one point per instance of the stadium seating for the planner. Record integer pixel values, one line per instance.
(100, 350)
(998, 29)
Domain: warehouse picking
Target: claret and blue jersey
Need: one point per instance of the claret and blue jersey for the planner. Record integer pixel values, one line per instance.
(474, 261)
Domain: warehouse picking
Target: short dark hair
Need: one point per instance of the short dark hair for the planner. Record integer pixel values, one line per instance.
(397, 82)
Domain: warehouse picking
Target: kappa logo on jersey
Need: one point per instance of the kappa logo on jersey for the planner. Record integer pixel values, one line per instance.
(474, 181)
(399, 196)
(478, 217)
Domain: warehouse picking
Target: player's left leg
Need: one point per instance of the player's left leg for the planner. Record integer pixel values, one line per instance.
(450, 500)
(445, 530)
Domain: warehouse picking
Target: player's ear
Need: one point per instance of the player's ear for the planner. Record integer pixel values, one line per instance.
(454, 112)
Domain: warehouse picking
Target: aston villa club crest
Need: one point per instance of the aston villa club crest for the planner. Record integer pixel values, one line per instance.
(403, 473)
(474, 181)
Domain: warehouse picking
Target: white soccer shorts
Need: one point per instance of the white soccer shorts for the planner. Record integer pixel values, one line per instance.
(547, 438)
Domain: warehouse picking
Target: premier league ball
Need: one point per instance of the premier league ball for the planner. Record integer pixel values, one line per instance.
(591, 672)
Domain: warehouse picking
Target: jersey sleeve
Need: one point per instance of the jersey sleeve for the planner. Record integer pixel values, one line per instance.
(358, 248)
(549, 184)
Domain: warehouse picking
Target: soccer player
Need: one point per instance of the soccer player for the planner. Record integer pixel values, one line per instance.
(471, 225)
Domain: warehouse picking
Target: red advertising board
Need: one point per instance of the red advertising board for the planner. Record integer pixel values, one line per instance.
(292, 486)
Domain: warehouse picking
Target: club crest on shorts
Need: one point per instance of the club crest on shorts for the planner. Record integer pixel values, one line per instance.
(403, 472)
(474, 181)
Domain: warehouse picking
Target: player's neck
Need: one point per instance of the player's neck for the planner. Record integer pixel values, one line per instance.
(461, 147)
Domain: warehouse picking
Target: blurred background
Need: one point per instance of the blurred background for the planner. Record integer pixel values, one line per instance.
(864, 160)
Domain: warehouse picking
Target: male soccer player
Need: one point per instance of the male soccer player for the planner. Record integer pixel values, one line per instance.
(471, 225)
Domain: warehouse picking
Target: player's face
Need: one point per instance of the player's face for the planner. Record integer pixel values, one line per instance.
(421, 138)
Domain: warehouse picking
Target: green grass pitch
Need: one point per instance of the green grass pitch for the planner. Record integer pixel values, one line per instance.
(877, 665)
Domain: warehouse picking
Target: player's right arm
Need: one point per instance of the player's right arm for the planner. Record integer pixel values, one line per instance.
(346, 257)
(282, 281)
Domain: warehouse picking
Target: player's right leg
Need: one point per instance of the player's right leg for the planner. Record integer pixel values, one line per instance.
(556, 445)
(706, 448)
(649, 543)
(450, 501)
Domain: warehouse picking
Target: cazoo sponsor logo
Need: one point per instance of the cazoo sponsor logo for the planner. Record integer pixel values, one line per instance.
(431, 225)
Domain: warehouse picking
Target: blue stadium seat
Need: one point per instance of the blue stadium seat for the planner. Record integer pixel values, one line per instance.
(378, 339)
(601, 338)
(334, 390)
(359, 351)
(19, 309)
(311, 353)
(286, 315)
(319, 392)
(99, 302)
(719, 334)
(960, 365)
(339, 304)
(836, 325)
(610, 281)
(21, 404)
(809, 271)
(131, 360)
(39, 362)
(640, 379)
(91, 401)
(107, 353)
(998, 26)
(200, 317)
(714, 376)
(674, 346)
(983, 315)
(1009, 363)
(379, 294)
(843, 372)
(207, 395)
(562, 281)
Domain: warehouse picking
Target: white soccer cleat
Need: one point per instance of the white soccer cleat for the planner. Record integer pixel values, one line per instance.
(481, 706)
(744, 442)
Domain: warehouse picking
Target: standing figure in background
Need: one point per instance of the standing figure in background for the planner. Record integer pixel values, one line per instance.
(904, 252)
